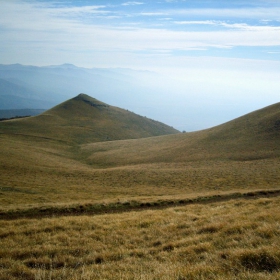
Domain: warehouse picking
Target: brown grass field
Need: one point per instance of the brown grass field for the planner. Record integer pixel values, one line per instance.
(208, 199)
(237, 239)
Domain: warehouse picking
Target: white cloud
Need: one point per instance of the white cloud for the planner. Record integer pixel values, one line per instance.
(48, 31)
(132, 3)
(82, 9)
(202, 22)
(240, 26)
(32, 19)
(260, 13)
(246, 27)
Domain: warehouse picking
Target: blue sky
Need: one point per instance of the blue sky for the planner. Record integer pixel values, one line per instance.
(226, 51)
(130, 33)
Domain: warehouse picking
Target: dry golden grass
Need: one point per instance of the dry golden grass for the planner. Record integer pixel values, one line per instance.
(238, 239)
(41, 163)
(50, 166)
(47, 173)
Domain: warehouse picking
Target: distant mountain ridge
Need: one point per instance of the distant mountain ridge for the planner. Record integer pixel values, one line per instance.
(15, 95)
(20, 113)
(36, 87)
(84, 119)
(178, 102)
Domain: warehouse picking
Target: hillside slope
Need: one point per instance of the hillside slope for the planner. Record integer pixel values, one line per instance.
(84, 120)
(250, 137)
(52, 158)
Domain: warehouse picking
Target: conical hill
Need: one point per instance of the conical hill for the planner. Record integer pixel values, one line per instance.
(84, 119)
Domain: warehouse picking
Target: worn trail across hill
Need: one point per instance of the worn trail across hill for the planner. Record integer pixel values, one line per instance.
(120, 207)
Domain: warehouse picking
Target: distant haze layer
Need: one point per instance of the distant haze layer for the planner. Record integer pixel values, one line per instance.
(208, 61)
(183, 101)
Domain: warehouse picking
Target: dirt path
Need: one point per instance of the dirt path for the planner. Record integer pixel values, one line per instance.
(99, 209)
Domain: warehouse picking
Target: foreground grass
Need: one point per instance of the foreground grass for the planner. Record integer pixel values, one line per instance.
(125, 205)
(237, 239)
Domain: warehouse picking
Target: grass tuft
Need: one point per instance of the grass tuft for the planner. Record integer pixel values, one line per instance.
(259, 260)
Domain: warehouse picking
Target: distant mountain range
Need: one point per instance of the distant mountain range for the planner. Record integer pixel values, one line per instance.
(30, 87)
(179, 101)
(142, 92)
(7, 114)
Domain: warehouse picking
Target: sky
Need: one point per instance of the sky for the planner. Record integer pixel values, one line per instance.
(224, 54)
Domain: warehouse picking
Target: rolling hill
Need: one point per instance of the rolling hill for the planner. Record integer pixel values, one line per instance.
(85, 120)
(64, 156)
(250, 137)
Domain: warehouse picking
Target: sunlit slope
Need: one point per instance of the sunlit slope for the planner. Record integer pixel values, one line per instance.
(84, 119)
(250, 137)
(42, 163)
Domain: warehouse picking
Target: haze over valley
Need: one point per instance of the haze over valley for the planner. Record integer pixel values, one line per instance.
(184, 103)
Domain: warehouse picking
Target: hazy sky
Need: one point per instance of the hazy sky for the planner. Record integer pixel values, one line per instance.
(224, 51)
(137, 34)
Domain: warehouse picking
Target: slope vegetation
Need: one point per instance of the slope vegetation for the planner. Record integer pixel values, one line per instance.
(63, 156)
(250, 137)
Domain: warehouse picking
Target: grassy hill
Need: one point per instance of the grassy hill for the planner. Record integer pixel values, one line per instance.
(84, 119)
(63, 156)
(250, 137)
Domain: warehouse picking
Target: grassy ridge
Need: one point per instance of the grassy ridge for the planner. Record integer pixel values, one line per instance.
(251, 137)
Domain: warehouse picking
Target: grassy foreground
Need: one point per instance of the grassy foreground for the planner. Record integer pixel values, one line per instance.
(237, 239)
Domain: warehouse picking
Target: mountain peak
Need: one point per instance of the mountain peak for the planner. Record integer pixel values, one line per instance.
(84, 119)
(68, 66)
(89, 100)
